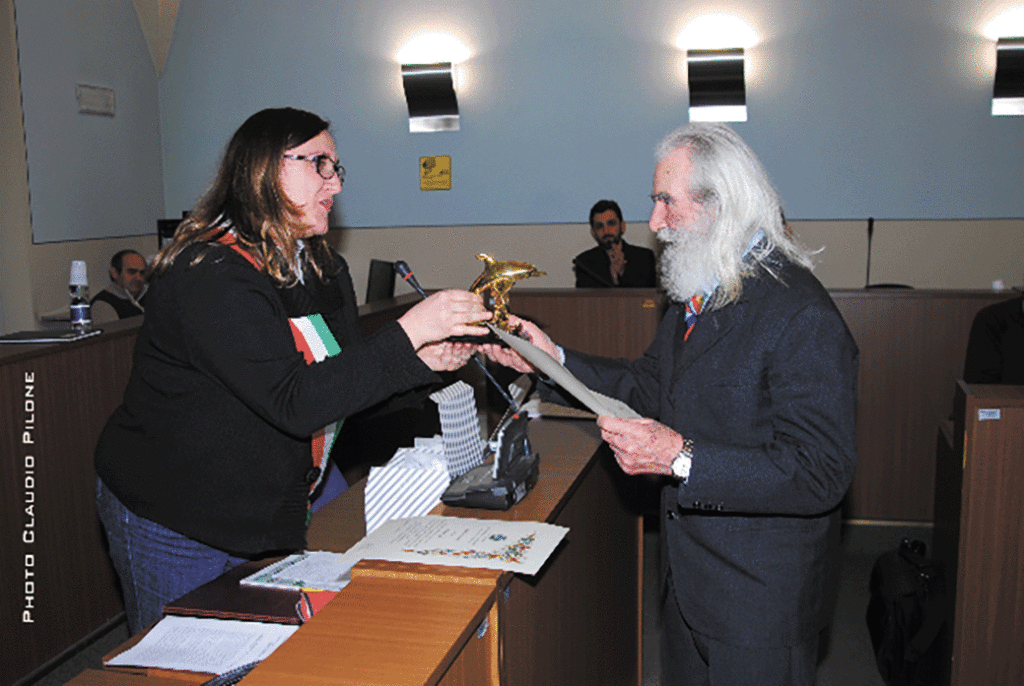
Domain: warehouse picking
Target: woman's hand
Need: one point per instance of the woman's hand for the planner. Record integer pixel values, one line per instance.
(510, 358)
(446, 356)
(444, 314)
(641, 446)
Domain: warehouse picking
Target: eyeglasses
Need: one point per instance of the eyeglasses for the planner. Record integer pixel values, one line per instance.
(325, 166)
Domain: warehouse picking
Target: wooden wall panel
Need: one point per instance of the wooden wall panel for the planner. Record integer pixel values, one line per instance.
(912, 345)
(600, 321)
(75, 388)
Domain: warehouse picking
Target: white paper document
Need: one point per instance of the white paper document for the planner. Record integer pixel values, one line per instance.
(317, 570)
(598, 403)
(196, 644)
(459, 542)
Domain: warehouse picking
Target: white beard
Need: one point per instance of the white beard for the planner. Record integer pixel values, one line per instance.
(684, 267)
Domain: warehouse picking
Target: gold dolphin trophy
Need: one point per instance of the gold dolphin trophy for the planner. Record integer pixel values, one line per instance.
(495, 283)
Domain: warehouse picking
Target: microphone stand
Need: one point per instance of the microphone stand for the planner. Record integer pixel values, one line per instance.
(871, 231)
(590, 272)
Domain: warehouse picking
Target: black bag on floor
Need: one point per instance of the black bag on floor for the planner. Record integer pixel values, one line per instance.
(905, 615)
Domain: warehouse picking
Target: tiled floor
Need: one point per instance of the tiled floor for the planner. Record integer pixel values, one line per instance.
(848, 659)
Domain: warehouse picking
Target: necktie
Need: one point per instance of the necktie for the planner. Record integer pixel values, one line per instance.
(693, 307)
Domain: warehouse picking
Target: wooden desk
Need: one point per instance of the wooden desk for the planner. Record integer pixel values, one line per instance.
(61, 394)
(398, 630)
(109, 677)
(585, 603)
(979, 505)
(398, 624)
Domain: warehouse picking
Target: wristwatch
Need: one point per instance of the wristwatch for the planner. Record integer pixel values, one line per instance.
(682, 461)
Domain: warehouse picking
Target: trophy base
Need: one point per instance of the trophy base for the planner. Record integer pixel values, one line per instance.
(489, 338)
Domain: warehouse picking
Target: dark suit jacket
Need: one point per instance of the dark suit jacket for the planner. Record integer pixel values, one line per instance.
(995, 348)
(766, 388)
(213, 438)
(639, 272)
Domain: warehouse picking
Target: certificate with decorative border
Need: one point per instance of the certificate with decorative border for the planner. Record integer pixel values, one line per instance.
(459, 542)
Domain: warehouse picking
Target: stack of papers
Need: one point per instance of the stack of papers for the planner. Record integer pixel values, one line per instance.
(309, 571)
(213, 646)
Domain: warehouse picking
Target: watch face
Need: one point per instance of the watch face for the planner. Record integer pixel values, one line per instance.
(681, 466)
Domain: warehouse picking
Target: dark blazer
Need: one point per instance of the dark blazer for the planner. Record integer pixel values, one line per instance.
(766, 388)
(594, 263)
(995, 347)
(212, 439)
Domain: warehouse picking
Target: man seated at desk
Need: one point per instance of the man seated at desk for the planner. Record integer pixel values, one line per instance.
(995, 348)
(614, 262)
(124, 295)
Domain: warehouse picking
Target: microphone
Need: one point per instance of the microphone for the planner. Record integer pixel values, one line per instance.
(404, 271)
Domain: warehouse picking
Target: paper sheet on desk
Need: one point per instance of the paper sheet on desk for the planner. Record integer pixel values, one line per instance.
(598, 403)
(462, 542)
(195, 644)
(318, 570)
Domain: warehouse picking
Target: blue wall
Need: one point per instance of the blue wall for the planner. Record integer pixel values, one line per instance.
(860, 108)
(90, 176)
(857, 108)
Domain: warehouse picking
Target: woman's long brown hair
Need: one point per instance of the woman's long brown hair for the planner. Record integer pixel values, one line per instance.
(247, 197)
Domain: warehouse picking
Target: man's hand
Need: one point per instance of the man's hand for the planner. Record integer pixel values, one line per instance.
(446, 356)
(641, 446)
(510, 358)
(618, 262)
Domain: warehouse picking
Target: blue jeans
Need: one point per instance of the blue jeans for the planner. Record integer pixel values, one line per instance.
(155, 565)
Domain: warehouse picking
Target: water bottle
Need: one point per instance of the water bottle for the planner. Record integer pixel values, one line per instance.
(78, 287)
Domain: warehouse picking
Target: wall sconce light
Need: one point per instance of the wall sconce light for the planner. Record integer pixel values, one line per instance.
(431, 97)
(717, 91)
(1008, 87)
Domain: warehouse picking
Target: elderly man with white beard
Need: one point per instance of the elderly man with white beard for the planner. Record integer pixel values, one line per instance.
(748, 397)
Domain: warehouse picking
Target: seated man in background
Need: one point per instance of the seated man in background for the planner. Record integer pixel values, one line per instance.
(995, 348)
(123, 297)
(614, 262)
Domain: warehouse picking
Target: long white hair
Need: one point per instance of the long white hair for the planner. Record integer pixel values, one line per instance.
(735, 192)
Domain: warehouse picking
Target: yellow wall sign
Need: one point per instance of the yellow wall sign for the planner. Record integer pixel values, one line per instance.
(436, 173)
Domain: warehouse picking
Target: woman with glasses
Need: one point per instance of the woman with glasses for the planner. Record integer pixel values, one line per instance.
(249, 358)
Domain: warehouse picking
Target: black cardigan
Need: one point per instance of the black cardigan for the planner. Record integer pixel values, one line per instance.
(213, 437)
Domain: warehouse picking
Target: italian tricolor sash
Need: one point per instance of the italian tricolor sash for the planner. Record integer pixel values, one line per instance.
(316, 343)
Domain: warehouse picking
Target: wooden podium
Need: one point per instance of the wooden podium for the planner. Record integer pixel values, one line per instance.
(577, 621)
(979, 519)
